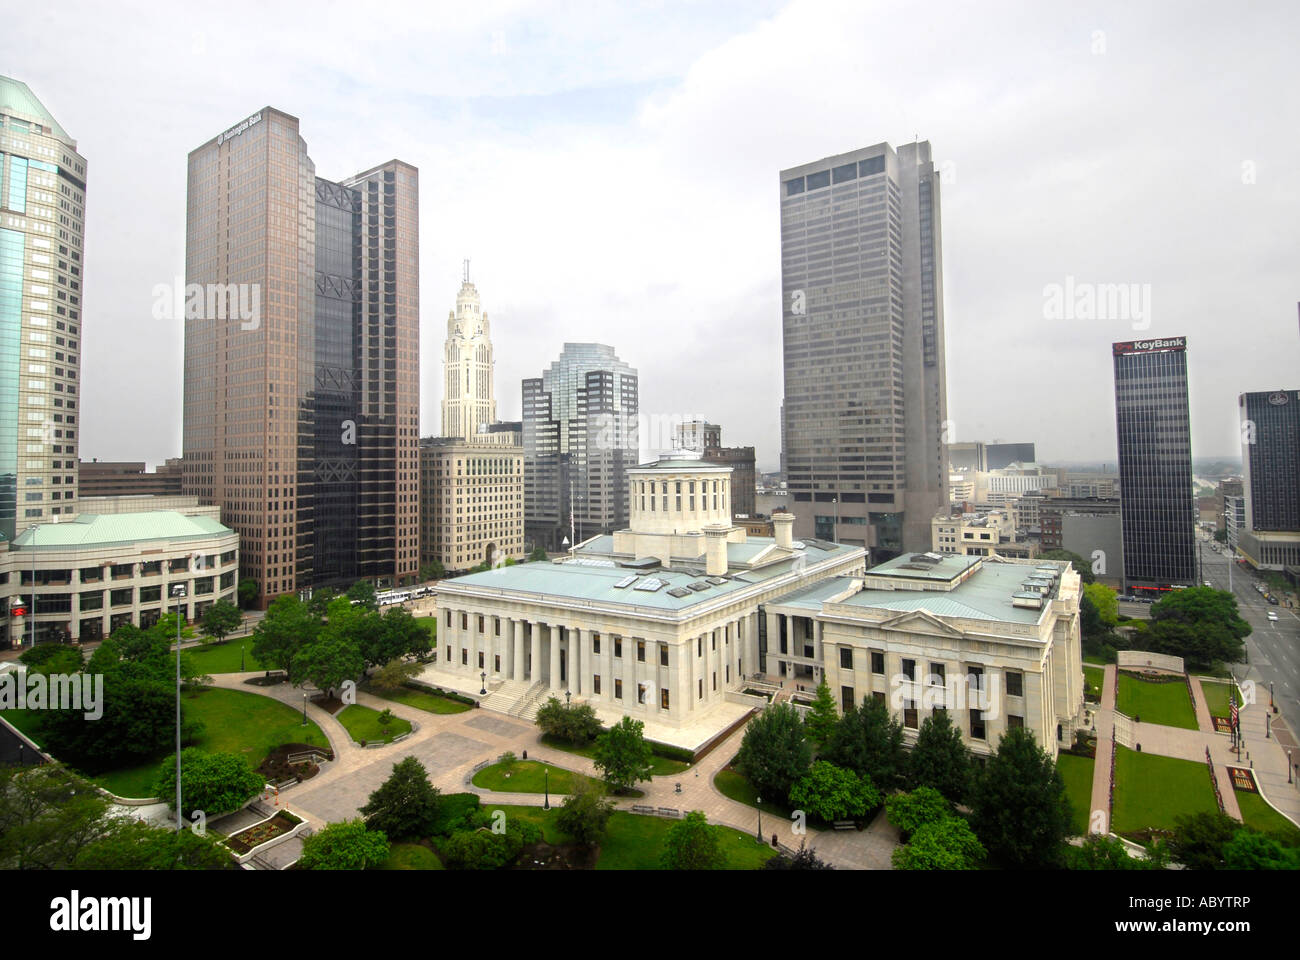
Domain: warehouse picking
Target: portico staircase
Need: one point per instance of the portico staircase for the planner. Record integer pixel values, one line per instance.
(526, 707)
(503, 695)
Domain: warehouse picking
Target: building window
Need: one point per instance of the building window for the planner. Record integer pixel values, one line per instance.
(715, 680)
(699, 646)
(879, 696)
(496, 663)
(595, 683)
(936, 675)
(496, 626)
(977, 724)
(909, 669)
(480, 659)
(640, 651)
(663, 655)
(713, 640)
(877, 662)
(1013, 721)
(618, 647)
(847, 698)
(595, 643)
(480, 623)
(640, 693)
(1015, 684)
(618, 689)
(909, 714)
(464, 621)
(846, 658)
(663, 698)
(701, 688)
(464, 658)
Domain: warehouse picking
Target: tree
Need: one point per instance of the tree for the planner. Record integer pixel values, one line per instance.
(822, 716)
(134, 845)
(286, 629)
(403, 635)
(1106, 602)
(1250, 850)
(912, 811)
(774, 753)
(870, 741)
(1098, 852)
(406, 804)
(47, 816)
(346, 845)
(484, 849)
(212, 782)
(1199, 839)
(394, 674)
(221, 619)
(831, 793)
(53, 658)
(1201, 625)
(364, 591)
(576, 723)
(947, 844)
(433, 570)
(539, 553)
(691, 844)
(1020, 810)
(940, 758)
(327, 662)
(247, 592)
(585, 813)
(622, 754)
(1081, 566)
(804, 859)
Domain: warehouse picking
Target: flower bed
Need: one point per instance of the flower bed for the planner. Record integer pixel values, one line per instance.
(252, 837)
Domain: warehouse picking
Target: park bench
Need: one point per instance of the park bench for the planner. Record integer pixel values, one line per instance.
(844, 825)
(670, 812)
(642, 808)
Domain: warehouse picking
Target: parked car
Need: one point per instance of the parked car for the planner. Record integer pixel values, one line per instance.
(1272, 615)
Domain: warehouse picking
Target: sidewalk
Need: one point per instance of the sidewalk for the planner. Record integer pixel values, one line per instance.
(1104, 722)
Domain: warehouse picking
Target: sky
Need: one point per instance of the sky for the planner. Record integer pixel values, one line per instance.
(611, 172)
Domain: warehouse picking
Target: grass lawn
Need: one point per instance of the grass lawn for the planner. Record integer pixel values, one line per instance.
(1095, 677)
(731, 784)
(430, 624)
(362, 723)
(1216, 697)
(636, 842)
(1150, 791)
(420, 699)
(1093, 658)
(411, 856)
(213, 658)
(1164, 703)
(1255, 812)
(1077, 774)
(526, 776)
(659, 766)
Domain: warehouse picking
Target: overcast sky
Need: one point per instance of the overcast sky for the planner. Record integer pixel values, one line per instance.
(611, 172)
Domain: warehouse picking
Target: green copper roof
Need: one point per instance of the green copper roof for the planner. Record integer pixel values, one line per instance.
(92, 530)
(17, 99)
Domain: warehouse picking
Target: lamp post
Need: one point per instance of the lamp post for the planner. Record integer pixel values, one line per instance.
(1288, 766)
(546, 776)
(304, 708)
(178, 591)
(241, 658)
(759, 836)
(568, 695)
(482, 682)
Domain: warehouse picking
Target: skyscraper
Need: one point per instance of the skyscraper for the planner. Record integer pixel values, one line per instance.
(863, 335)
(42, 226)
(1153, 429)
(580, 436)
(468, 395)
(1270, 457)
(301, 406)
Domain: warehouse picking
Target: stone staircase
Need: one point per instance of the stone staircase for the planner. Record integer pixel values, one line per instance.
(526, 707)
(504, 695)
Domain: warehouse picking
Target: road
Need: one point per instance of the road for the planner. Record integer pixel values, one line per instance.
(1273, 648)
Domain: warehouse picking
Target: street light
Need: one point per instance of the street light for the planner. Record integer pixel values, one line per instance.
(482, 683)
(568, 695)
(759, 836)
(241, 658)
(546, 775)
(304, 708)
(178, 591)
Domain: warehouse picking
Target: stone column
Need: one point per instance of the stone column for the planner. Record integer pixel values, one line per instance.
(679, 664)
(652, 674)
(554, 680)
(535, 670)
(607, 671)
(518, 665)
(575, 660)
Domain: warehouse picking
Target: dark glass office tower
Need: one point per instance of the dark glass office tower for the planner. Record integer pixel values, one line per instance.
(1153, 428)
(863, 335)
(1270, 459)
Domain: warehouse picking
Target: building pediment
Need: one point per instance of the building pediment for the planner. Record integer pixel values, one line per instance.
(919, 621)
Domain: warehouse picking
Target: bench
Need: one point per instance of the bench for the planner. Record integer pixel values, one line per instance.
(844, 825)
(670, 812)
(642, 808)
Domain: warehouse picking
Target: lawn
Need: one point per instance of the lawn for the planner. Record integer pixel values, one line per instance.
(1095, 677)
(1216, 697)
(1150, 791)
(1256, 812)
(527, 776)
(636, 842)
(1077, 773)
(659, 766)
(430, 624)
(420, 699)
(211, 658)
(362, 725)
(1163, 703)
(411, 856)
(731, 784)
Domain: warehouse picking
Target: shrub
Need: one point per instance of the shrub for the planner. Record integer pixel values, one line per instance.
(455, 812)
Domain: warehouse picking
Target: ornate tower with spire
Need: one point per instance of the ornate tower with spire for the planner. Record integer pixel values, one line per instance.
(468, 395)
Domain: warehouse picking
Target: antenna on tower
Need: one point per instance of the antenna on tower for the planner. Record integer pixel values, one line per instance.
(466, 278)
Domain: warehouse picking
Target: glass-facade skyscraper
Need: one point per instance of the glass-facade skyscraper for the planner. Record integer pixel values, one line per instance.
(580, 436)
(301, 421)
(1270, 457)
(42, 230)
(863, 340)
(1153, 430)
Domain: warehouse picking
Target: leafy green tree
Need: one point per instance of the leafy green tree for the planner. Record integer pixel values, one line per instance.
(247, 592)
(133, 845)
(911, 811)
(539, 553)
(282, 634)
(48, 815)
(53, 658)
(869, 741)
(577, 723)
(364, 591)
(212, 782)
(320, 600)
(804, 859)
(585, 813)
(484, 849)
(1098, 852)
(822, 716)
(220, 620)
(1250, 850)
(774, 753)
(406, 804)
(691, 844)
(831, 793)
(1105, 600)
(1020, 809)
(395, 674)
(940, 758)
(947, 844)
(333, 656)
(1201, 625)
(403, 635)
(622, 754)
(346, 845)
(433, 570)
(1199, 839)
(1081, 566)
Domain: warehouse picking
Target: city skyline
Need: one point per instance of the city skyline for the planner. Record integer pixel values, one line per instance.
(1069, 206)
